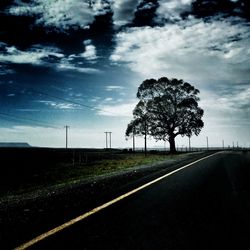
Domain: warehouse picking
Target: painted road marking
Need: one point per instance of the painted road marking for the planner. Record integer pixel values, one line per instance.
(97, 209)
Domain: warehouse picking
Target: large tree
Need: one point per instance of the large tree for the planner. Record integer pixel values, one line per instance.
(170, 107)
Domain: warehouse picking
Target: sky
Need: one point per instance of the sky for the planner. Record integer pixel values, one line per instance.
(79, 63)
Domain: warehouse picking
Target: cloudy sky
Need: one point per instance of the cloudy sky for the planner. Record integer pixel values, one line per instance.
(79, 63)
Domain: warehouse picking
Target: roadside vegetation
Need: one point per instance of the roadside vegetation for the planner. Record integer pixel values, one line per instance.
(83, 167)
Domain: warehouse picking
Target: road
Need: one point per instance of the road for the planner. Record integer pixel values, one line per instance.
(204, 206)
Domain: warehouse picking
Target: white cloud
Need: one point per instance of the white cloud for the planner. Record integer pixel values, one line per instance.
(87, 42)
(236, 100)
(124, 11)
(194, 50)
(96, 99)
(65, 64)
(108, 99)
(114, 87)
(100, 7)
(118, 110)
(40, 55)
(61, 106)
(212, 55)
(90, 51)
(172, 9)
(32, 56)
(146, 6)
(60, 14)
(227, 115)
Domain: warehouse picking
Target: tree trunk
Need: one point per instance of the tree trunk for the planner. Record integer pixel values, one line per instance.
(172, 145)
(145, 144)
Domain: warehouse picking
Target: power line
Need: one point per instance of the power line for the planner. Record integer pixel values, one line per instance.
(64, 99)
(40, 123)
(49, 95)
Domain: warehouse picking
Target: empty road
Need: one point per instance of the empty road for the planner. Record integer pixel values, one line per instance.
(204, 206)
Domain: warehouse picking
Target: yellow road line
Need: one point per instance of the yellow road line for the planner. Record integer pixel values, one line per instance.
(97, 209)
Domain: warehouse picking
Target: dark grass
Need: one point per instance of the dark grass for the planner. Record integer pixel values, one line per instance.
(30, 169)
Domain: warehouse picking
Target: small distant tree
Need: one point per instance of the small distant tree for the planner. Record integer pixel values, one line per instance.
(170, 108)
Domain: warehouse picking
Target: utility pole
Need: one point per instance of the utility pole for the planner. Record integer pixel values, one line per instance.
(110, 139)
(207, 142)
(67, 127)
(145, 139)
(223, 144)
(107, 139)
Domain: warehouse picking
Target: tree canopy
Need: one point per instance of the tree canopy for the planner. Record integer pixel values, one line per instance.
(166, 108)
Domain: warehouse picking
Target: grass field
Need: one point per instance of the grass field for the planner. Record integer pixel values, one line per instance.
(106, 166)
(35, 170)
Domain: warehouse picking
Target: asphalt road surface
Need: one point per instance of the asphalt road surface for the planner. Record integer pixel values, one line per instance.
(204, 206)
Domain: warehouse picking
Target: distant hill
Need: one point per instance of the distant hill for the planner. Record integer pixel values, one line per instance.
(14, 145)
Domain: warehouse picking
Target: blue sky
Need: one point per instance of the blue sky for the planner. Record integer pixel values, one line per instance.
(80, 62)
